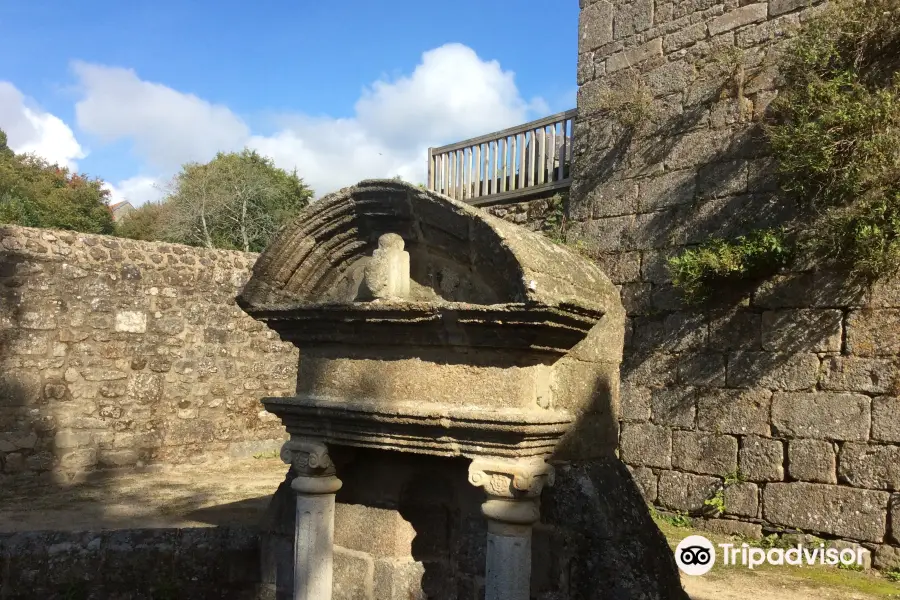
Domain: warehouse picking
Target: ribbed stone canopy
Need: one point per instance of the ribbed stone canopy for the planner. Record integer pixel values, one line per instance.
(458, 254)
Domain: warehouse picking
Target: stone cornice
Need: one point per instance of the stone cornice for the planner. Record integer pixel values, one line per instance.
(421, 427)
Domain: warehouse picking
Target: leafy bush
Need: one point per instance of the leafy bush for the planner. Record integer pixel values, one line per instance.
(36, 193)
(698, 270)
(836, 133)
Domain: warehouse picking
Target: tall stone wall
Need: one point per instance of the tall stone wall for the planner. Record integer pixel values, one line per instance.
(791, 383)
(117, 353)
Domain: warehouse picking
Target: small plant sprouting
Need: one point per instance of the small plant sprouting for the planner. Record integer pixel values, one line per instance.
(266, 455)
(698, 271)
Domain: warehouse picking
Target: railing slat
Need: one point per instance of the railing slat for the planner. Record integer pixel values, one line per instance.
(531, 156)
(531, 159)
(542, 155)
(520, 160)
(476, 188)
(508, 183)
(453, 173)
(552, 158)
(562, 153)
(509, 132)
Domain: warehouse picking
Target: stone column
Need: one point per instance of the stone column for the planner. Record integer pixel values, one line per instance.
(512, 507)
(315, 486)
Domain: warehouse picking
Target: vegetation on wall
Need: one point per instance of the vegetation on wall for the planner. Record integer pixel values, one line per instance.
(835, 134)
(35, 193)
(698, 271)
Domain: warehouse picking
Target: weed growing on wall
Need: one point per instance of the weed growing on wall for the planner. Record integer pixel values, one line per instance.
(698, 271)
(835, 135)
(628, 101)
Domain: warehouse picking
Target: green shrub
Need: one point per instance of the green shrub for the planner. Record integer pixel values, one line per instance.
(836, 133)
(697, 271)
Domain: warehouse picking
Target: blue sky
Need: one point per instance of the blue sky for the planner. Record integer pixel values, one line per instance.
(128, 91)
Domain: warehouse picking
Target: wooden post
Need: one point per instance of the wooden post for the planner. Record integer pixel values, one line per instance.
(430, 180)
(503, 144)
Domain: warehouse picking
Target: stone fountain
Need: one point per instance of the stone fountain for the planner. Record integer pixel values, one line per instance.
(428, 327)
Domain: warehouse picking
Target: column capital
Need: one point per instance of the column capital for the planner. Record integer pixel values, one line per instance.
(313, 465)
(511, 479)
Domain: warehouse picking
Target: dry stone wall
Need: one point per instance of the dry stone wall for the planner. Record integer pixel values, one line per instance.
(117, 353)
(793, 384)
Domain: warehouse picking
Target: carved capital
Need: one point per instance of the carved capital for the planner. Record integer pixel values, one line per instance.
(511, 479)
(309, 459)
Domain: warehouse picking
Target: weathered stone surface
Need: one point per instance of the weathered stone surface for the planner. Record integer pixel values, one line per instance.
(667, 79)
(824, 415)
(894, 510)
(634, 56)
(812, 460)
(886, 419)
(722, 179)
(595, 28)
(838, 510)
(131, 321)
(669, 189)
(750, 531)
(742, 499)
(704, 453)
(646, 444)
(684, 37)
(738, 412)
(750, 13)
(614, 198)
(632, 18)
(737, 329)
(674, 407)
(807, 330)
(887, 558)
(870, 466)
(772, 370)
(706, 369)
(92, 353)
(646, 481)
(622, 267)
(762, 459)
(375, 531)
(684, 491)
(353, 575)
(778, 7)
(868, 375)
(635, 403)
(874, 332)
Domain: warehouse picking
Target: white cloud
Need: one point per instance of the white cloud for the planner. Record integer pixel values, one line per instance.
(30, 129)
(136, 190)
(167, 127)
(451, 95)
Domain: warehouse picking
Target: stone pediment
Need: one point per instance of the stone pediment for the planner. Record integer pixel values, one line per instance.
(457, 254)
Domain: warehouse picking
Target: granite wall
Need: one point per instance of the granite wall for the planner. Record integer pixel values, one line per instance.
(792, 384)
(117, 353)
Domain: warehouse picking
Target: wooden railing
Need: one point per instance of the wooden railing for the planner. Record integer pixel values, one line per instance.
(523, 162)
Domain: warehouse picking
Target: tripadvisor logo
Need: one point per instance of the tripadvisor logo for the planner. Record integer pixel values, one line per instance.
(696, 555)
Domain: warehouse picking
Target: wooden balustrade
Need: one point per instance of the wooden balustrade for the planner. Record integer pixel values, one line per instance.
(523, 162)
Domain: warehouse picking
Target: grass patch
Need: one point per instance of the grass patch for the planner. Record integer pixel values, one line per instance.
(266, 455)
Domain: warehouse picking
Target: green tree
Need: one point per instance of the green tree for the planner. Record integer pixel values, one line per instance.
(238, 200)
(36, 193)
(146, 222)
